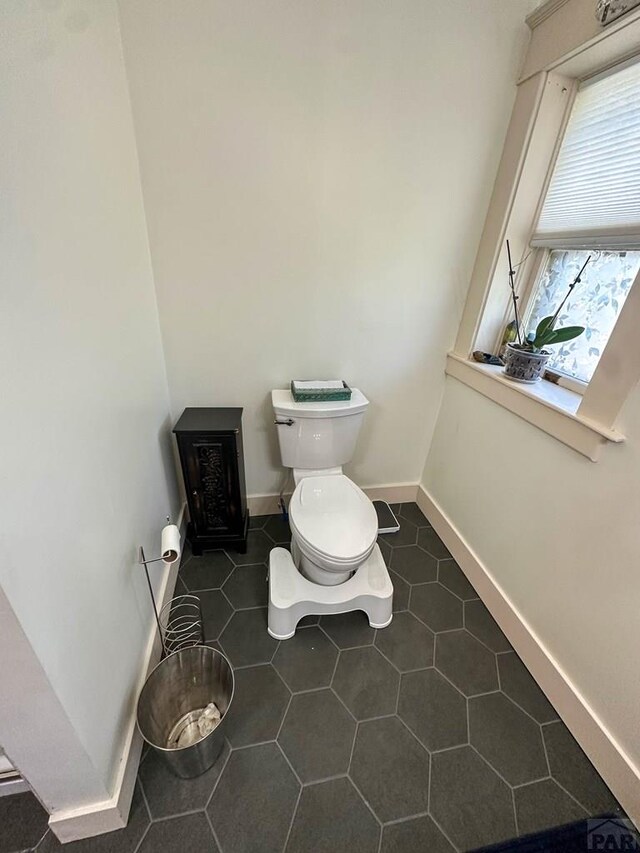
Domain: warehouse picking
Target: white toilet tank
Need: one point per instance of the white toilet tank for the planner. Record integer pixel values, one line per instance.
(317, 436)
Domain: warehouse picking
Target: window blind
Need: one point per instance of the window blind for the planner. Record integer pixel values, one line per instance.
(594, 192)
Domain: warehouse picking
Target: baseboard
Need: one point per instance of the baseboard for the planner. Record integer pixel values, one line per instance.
(611, 761)
(112, 814)
(13, 784)
(393, 493)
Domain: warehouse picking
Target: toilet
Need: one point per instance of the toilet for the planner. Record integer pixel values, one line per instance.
(335, 564)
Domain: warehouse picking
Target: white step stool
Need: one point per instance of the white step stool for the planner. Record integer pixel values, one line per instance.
(291, 596)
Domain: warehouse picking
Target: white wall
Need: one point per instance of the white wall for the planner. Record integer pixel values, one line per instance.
(84, 447)
(315, 179)
(559, 534)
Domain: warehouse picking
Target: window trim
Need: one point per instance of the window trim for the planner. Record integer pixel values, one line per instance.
(541, 110)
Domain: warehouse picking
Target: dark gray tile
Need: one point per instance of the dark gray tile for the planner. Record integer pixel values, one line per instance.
(332, 818)
(348, 630)
(466, 662)
(411, 512)
(188, 834)
(414, 565)
(257, 522)
(419, 835)
(121, 841)
(207, 572)
(317, 735)
(434, 710)
(509, 740)
(167, 795)
(401, 592)
(469, 801)
(366, 683)
(436, 606)
(407, 535)
(252, 807)
(245, 639)
(23, 822)
(391, 769)
(258, 548)
(451, 575)
(479, 622)
(517, 682)
(386, 550)
(406, 642)
(573, 770)
(180, 587)
(277, 529)
(431, 542)
(247, 586)
(542, 805)
(259, 702)
(308, 620)
(215, 613)
(307, 660)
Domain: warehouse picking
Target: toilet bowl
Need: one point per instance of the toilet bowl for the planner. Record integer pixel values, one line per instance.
(333, 528)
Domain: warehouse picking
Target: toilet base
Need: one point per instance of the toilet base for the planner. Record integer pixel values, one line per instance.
(292, 597)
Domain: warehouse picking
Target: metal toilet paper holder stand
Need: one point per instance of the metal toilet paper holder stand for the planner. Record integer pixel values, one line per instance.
(191, 630)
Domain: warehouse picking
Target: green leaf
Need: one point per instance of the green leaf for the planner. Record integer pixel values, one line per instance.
(544, 326)
(567, 333)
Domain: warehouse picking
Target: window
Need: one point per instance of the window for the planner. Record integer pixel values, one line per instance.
(595, 303)
(591, 210)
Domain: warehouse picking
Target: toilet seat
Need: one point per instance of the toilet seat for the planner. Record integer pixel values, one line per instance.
(333, 521)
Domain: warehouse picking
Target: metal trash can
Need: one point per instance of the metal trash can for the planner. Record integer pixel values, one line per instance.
(174, 696)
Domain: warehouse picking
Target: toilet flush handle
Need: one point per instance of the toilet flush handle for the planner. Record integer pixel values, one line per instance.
(288, 422)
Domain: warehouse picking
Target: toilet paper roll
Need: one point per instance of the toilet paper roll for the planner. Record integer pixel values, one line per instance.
(170, 543)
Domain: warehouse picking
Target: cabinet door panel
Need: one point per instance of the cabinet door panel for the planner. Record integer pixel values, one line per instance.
(211, 481)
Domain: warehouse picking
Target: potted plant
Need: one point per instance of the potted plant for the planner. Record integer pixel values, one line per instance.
(526, 360)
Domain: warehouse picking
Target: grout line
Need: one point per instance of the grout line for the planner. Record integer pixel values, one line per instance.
(388, 660)
(569, 794)
(324, 779)
(167, 817)
(366, 802)
(449, 748)
(144, 795)
(331, 640)
(544, 746)
(442, 830)
(353, 747)
(531, 782)
(292, 821)
(290, 765)
(515, 811)
(213, 832)
(244, 746)
(405, 819)
(142, 837)
(524, 710)
(35, 846)
(416, 738)
(222, 769)
(490, 766)
(344, 705)
(284, 716)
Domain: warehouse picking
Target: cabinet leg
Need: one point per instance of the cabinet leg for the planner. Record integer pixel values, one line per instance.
(196, 550)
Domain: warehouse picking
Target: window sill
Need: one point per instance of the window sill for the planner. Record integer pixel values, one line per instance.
(551, 408)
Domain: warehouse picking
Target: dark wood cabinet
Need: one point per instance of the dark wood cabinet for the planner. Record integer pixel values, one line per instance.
(211, 457)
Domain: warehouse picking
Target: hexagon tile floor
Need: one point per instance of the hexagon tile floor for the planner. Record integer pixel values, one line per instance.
(429, 735)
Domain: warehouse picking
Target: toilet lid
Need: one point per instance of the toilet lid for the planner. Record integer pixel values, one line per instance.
(334, 517)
